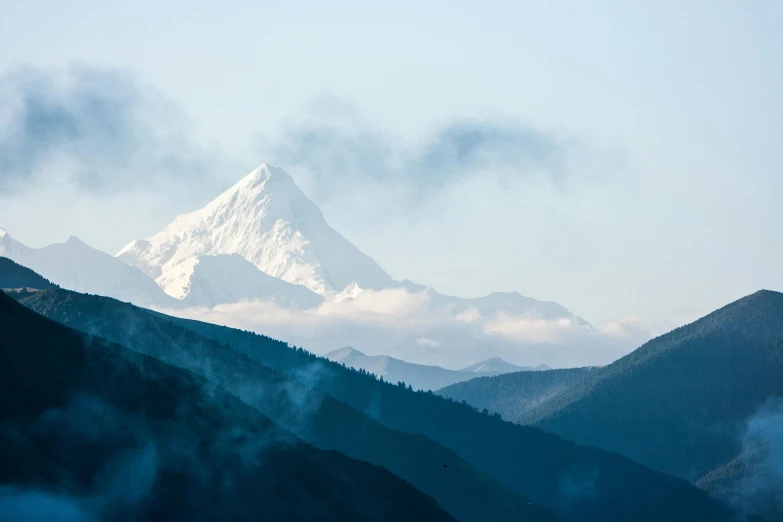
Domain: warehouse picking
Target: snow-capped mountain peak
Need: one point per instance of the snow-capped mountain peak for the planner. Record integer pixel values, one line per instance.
(268, 220)
(352, 291)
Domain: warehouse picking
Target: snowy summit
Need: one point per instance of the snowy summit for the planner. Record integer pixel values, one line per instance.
(267, 220)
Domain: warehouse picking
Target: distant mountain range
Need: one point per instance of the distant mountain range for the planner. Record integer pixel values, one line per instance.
(268, 221)
(419, 376)
(475, 466)
(265, 220)
(264, 242)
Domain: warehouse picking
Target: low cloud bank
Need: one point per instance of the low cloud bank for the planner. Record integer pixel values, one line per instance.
(410, 325)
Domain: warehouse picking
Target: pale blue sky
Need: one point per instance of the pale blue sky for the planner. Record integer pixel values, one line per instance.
(663, 201)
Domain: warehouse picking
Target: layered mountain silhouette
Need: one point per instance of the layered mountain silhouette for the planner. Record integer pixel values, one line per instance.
(683, 403)
(419, 376)
(296, 404)
(91, 430)
(577, 483)
(680, 404)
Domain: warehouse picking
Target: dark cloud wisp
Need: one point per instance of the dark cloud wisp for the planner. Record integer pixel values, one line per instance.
(334, 153)
(99, 128)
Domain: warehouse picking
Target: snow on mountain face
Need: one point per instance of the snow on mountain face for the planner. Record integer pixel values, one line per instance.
(76, 266)
(266, 219)
(212, 280)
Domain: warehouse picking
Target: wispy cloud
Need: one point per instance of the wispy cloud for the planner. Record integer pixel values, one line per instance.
(532, 329)
(759, 489)
(410, 326)
(97, 128)
(335, 146)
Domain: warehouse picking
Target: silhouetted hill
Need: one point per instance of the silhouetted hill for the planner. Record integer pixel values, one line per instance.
(293, 403)
(578, 483)
(680, 402)
(14, 275)
(123, 436)
(514, 394)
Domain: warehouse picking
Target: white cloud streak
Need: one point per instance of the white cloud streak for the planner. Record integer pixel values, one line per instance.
(407, 325)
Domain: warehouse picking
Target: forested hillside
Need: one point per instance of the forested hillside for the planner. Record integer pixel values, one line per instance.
(294, 402)
(91, 430)
(15, 275)
(577, 483)
(679, 403)
(512, 395)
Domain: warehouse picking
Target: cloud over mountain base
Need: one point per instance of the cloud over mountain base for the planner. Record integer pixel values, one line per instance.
(408, 325)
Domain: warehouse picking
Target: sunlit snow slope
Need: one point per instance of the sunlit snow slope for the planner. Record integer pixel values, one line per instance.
(266, 219)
